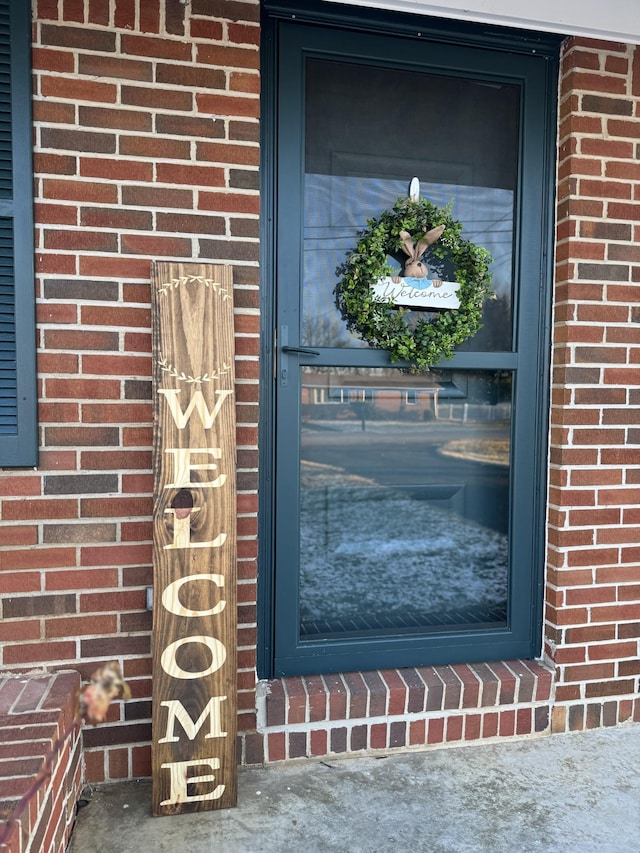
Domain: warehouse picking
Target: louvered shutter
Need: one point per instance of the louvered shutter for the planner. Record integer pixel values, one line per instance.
(18, 403)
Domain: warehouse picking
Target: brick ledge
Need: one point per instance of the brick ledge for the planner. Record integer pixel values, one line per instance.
(351, 713)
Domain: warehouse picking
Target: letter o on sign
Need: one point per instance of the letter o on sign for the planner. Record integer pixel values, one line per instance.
(170, 666)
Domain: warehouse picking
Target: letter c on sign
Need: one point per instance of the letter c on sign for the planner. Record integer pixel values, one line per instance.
(170, 666)
(171, 602)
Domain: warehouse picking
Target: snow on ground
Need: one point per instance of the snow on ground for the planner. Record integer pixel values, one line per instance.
(368, 550)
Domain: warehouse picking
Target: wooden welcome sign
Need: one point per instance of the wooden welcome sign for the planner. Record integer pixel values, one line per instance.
(194, 539)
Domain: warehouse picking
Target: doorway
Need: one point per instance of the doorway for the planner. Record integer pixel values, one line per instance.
(406, 526)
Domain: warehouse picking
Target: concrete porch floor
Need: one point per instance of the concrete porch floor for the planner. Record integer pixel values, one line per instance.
(569, 793)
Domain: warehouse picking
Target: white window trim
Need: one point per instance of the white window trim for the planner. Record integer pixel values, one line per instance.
(616, 20)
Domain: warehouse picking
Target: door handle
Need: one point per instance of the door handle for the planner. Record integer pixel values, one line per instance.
(303, 350)
(286, 349)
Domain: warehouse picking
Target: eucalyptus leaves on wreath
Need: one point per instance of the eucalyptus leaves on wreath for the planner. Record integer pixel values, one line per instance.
(427, 341)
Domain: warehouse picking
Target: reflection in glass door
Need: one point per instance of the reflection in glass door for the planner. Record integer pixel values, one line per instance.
(404, 501)
(404, 507)
(360, 155)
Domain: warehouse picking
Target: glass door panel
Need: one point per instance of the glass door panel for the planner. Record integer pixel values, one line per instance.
(404, 501)
(364, 143)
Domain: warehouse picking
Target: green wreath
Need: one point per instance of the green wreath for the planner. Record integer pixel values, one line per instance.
(424, 342)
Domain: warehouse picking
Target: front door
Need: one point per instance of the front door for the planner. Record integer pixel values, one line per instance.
(408, 512)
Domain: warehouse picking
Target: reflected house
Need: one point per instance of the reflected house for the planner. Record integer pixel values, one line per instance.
(355, 394)
(327, 396)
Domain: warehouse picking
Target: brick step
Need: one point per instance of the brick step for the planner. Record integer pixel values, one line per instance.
(35, 710)
(334, 715)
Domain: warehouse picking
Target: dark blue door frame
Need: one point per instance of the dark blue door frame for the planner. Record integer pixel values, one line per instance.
(529, 61)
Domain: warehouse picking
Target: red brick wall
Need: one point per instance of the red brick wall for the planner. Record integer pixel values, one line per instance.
(146, 146)
(593, 580)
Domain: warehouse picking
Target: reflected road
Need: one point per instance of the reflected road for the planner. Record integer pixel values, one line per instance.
(408, 456)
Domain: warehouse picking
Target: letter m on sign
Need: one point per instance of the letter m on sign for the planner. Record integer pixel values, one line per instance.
(194, 540)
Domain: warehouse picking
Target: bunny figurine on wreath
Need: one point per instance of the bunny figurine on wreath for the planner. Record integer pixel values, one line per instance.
(416, 271)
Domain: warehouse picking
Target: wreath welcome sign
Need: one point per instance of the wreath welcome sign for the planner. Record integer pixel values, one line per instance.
(377, 304)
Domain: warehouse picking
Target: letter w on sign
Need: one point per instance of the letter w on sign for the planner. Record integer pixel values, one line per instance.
(194, 539)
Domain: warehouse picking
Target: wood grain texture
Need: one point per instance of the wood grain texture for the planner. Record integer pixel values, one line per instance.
(194, 539)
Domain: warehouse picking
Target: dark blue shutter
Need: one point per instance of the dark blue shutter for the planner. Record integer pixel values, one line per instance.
(18, 402)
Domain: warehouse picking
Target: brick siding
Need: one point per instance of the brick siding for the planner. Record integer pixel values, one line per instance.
(146, 146)
(593, 575)
(146, 132)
